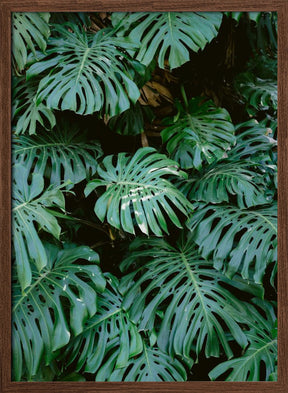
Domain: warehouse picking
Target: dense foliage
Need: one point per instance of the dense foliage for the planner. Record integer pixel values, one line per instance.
(144, 196)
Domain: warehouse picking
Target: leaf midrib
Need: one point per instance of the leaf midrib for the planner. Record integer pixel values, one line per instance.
(191, 121)
(31, 287)
(82, 64)
(248, 358)
(104, 318)
(170, 27)
(195, 283)
(265, 219)
(17, 151)
(226, 168)
(147, 359)
(236, 214)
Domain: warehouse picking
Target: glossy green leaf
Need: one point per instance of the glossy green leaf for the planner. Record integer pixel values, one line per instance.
(225, 180)
(198, 135)
(137, 192)
(188, 289)
(88, 72)
(132, 121)
(40, 324)
(152, 365)
(29, 214)
(168, 35)
(248, 171)
(253, 140)
(259, 93)
(237, 240)
(262, 351)
(30, 30)
(28, 116)
(110, 328)
(60, 155)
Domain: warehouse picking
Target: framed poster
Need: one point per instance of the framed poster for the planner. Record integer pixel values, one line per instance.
(144, 196)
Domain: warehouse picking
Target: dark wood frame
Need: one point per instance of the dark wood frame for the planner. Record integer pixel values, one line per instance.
(9, 6)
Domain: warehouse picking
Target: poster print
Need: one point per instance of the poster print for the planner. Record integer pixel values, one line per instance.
(151, 256)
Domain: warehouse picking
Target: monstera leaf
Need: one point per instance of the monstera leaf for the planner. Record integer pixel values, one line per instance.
(29, 214)
(201, 133)
(253, 140)
(61, 155)
(169, 35)
(27, 115)
(30, 31)
(244, 173)
(152, 365)
(40, 323)
(260, 93)
(131, 122)
(237, 239)
(262, 350)
(110, 328)
(188, 289)
(88, 72)
(137, 192)
(223, 181)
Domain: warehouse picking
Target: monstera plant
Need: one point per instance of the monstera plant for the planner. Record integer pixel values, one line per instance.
(144, 198)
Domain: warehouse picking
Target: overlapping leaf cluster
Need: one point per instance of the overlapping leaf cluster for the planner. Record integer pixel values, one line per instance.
(137, 263)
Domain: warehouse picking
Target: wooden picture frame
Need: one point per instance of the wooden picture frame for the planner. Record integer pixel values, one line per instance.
(6, 8)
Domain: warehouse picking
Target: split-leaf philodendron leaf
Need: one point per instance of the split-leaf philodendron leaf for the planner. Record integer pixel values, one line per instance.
(86, 72)
(188, 289)
(41, 326)
(29, 214)
(169, 35)
(138, 193)
(200, 133)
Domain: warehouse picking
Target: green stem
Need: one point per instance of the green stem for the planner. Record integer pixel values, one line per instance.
(183, 92)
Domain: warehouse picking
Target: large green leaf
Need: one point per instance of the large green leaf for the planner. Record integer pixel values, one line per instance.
(201, 133)
(88, 72)
(109, 329)
(168, 35)
(188, 289)
(255, 144)
(243, 240)
(41, 324)
(152, 365)
(29, 214)
(261, 94)
(27, 115)
(61, 155)
(132, 121)
(253, 141)
(137, 192)
(30, 30)
(247, 172)
(221, 182)
(262, 350)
